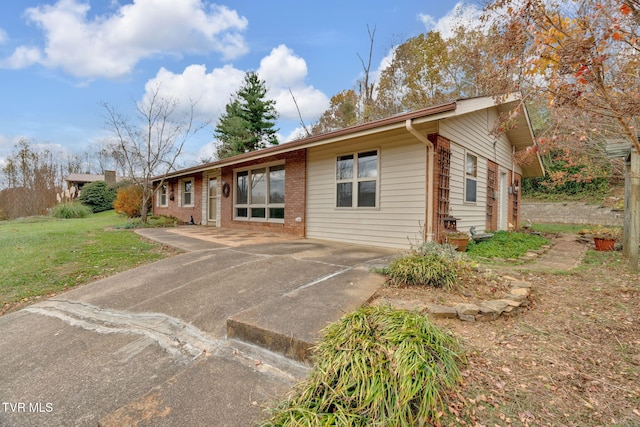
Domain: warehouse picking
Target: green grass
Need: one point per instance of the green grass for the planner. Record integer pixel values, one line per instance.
(559, 228)
(44, 255)
(603, 258)
(506, 244)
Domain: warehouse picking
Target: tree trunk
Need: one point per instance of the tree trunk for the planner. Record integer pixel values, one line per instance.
(631, 236)
(145, 204)
(632, 219)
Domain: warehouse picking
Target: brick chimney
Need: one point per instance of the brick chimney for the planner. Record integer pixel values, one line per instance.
(110, 177)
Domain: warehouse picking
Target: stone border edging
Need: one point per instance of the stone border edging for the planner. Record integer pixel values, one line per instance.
(512, 303)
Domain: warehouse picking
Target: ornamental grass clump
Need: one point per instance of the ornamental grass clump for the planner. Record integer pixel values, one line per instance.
(430, 264)
(70, 210)
(378, 366)
(426, 270)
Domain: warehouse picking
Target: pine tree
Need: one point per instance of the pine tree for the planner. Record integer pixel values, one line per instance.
(248, 123)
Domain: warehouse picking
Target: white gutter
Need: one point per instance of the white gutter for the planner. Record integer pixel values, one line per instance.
(429, 183)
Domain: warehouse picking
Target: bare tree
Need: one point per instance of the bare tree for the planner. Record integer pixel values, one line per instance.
(367, 85)
(304, 127)
(150, 145)
(33, 175)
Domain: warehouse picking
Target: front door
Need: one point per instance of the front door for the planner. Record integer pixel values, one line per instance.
(213, 200)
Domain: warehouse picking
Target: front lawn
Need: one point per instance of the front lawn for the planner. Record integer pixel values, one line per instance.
(42, 256)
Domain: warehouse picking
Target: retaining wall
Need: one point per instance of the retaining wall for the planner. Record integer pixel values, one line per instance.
(570, 213)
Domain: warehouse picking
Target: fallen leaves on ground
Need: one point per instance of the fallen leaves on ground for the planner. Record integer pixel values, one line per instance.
(572, 358)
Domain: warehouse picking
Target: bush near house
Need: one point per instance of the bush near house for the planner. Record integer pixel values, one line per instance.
(98, 196)
(430, 264)
(129, 201)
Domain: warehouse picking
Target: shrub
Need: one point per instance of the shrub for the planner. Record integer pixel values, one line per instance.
(569, 173)
(129, 201)
(446, 251)
(377, 366)
(152, 222)
(424, 270)
(70, 210)
(98, 196)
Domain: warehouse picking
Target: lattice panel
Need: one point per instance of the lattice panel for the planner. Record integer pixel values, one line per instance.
(444, 177)
(492, 191)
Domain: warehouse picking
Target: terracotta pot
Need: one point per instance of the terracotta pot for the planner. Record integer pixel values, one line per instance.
(460, 244)
(604, 244)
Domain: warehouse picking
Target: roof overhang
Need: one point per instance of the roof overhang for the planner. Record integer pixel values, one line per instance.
(521, 136)
(358, 131)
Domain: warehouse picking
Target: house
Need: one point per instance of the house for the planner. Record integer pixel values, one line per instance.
(78, 180)
(389, 183)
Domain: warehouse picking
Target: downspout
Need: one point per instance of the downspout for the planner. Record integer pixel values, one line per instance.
(513, 165)
(430, 167)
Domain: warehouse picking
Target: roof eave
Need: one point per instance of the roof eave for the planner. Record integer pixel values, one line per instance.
(389, 123)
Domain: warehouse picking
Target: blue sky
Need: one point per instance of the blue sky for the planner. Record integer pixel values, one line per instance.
(60, 59)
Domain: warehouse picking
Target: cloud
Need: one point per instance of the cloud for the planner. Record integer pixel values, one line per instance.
(461, 15)
(22, 57)
(5, 149)
(3, 36)
(110, 46)
(428, 20)
(281, 70)
(209, 91)
(285, 73)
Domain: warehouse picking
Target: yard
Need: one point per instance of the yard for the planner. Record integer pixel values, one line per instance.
(42, 256)
(572, 358)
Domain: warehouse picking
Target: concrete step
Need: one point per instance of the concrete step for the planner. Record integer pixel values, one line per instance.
(290, 325)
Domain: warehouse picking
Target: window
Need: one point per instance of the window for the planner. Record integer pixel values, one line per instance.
(259, 194)
(357, 180)
(471, 178)
(162, 195)
(186, 188)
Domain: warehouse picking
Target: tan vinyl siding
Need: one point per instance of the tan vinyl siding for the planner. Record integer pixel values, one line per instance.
(471, 133)
(470, 213)
(401, 202)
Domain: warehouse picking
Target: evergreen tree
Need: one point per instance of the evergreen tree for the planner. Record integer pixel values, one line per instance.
(248, 123)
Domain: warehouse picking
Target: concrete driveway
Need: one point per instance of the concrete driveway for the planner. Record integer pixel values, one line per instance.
(150, 346)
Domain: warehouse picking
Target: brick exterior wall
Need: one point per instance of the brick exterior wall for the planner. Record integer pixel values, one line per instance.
(294, 199)
(183, 213)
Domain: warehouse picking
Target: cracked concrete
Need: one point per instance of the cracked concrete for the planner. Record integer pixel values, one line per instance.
(184, 342)
(150, 347)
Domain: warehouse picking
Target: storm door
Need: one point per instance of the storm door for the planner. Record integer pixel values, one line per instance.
(213, 200)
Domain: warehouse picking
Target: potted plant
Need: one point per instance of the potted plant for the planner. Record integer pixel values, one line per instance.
(604, 238)
(458, 239)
